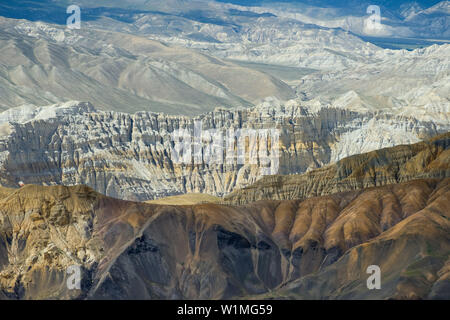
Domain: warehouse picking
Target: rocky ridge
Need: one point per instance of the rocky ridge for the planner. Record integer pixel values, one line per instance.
(129, 156)
(427, 159)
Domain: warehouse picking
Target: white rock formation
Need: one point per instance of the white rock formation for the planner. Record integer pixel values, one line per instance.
(129, 156)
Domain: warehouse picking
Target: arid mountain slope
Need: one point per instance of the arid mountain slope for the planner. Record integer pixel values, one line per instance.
(317, 248)
(43, 64)
(427, 159)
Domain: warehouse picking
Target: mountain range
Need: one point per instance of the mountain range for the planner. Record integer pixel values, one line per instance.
(356, 106)
(151, 65)
(43, 64)
(130, 156)
(318, 248)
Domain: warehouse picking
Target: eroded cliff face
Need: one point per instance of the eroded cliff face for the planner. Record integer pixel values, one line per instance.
(316, 248)
(129, 156)
(427, 159)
